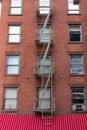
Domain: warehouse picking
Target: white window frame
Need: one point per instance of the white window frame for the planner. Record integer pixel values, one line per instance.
(75, 30)
(10, 101)
(12, 65)
(73, 8)
(77, 70)
(14, 33)
(15, 9)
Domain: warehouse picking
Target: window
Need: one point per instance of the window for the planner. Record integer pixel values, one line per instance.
(78, 99)
(12, 64)
(73, 8)
(44, 98)
(44, 6)
(14, 33)
(10, 98)
(16, 7)
(76, 64)
(44, 36)
(75, 33)
(45, 67)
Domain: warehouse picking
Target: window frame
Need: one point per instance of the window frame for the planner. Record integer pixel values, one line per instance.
(6, 65)
(82, 64)
(49, 32)
(72, 11)
(44, 99)
(43, 69)
(4, 98)
(79, 87)
(16, 7)
(41, 7)
(14, 34)
(80, 34)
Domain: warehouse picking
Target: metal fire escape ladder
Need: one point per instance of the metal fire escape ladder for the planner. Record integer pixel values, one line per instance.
(48, 116)
(46, 52)
(44, 89)
(46, 85)
(45, 23)
(49, 76)
(48, 45)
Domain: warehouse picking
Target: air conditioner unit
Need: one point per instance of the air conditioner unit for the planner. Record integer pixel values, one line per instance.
(74, 70)
(78, 107)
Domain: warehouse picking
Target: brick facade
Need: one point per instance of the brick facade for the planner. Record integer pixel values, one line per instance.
(28, 50)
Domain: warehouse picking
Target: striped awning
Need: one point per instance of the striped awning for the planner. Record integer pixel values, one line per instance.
(36, 122)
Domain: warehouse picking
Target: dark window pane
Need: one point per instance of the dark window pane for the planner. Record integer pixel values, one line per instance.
(78, 90)
(78, 101)
(74, 37)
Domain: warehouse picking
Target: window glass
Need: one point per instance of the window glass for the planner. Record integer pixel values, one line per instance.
(14, 38)
(15, 11)
(75, 33)
(11, 93)
(47, 59)
(44, 6)
(44, 2)
(78, 99)
(12, 60)
(76, 64)
(10, 98)
(12, 70)
(44, 36)
(44, 67)
(16, 3)
(44, 98)
(14, 29)
(12, 65)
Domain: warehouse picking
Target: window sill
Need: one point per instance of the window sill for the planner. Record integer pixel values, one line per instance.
(79, 111)
(74, 14)
(77, 74)
(13, 42)
(12, 75)
(9, 111)
(75, 42)
(15, 14)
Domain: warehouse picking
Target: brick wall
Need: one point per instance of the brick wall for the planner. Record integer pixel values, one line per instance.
(28, 54)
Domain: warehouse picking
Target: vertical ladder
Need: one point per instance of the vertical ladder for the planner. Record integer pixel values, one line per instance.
(48, 118)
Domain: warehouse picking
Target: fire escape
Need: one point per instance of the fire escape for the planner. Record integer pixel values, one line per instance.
(44, 103)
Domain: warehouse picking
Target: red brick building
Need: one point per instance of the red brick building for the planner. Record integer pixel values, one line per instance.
(43, 54)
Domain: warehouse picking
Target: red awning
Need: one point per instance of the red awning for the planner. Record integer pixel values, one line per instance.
(35, 122)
